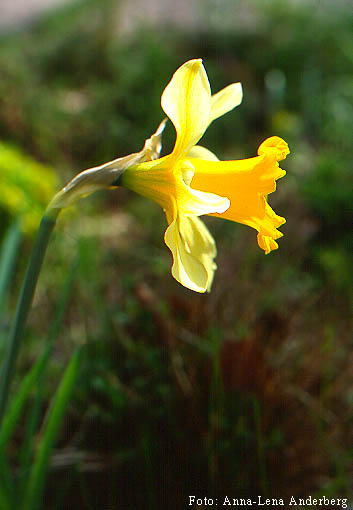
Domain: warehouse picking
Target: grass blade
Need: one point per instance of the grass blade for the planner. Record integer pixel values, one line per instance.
(11, 420)
(11, 417)
(35, 412)
(61, 399)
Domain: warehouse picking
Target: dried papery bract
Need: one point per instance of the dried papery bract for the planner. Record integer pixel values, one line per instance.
(107, 175)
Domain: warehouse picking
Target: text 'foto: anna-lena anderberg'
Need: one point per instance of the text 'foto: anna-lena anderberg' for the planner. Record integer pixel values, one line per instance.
(259, 501)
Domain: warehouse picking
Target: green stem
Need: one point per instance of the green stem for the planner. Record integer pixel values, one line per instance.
(24, 304)
(7, 260)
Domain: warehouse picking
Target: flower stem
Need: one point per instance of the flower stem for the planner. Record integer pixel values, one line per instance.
(46, 227)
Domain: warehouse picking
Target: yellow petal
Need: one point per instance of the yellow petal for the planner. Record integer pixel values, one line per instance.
(276, 145)
(191, 201)
(154, 180)
(200, 243)
(196, 203)
(187, 102)
(167, 185)
(267, 243)
(246, 183)
(225, 100)
(193, 250)
(202, 153)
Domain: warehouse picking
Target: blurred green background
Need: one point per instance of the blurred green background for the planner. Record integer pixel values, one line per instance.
(242, 392)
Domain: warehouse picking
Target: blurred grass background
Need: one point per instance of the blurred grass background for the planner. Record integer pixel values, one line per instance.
(242, 392)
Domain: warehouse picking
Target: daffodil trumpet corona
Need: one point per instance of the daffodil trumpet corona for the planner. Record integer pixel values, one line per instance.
(190, 181)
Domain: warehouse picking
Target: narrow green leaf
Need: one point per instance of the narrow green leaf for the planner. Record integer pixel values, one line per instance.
(14, 411)
(61, 399)
(35, 412)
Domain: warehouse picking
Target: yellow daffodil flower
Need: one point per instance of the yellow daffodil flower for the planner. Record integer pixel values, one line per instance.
(191, 182)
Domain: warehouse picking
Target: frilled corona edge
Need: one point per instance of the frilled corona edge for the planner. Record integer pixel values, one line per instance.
(246, 183)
